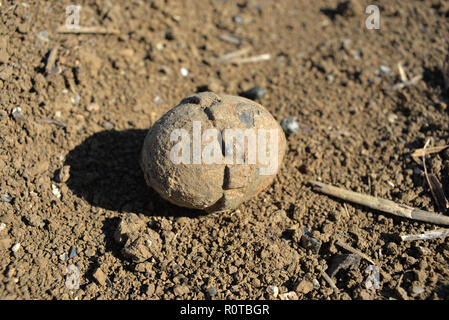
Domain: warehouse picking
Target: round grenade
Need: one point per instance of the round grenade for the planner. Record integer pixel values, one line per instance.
(212, 152)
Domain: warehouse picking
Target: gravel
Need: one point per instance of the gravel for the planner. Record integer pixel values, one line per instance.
(72, 253)
(6, 198)
(290, 126)
(212, 292)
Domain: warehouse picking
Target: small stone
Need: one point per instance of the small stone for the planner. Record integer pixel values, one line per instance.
(288, 296)
(255, 93)
(184, 72)
(90, 252)
(385, 70)
(316, 284)
(391, 249)
(417, 290)
(151, 289)
(365, 295)
(232, 269)
(212, 292)
(10, 271)
(304, 287)
(6, 73)
(76, 99)
(144, 267)
(63, 257)
(290, 126)
(72, 253)
(15, 247)
(100, 277)
(237, 19)
(6, 198)
(107, 125)
(93, 107)
(43, 35)
(140, 242)
(33, 220)
(2, 226)
(56, 192)
(392, 118)
(343, 261)
(64, 174)
(273, 291)
(158, 100)
(180, 290)
(17, 113)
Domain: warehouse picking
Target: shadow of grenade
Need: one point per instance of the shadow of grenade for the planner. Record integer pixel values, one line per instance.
(212, 152)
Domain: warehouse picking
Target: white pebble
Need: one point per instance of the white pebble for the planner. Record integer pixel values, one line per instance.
(417, 290)
(289, 296)
(6, 198)
(17, 112)
(184, 72)
(385, 69)
(158, 99)
(273, 291)
(2, 226)
(55, 190)
(15, 247)
(76, 98)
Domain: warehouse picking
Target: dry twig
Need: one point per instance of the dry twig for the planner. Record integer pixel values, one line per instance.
(435, 186)
(380, 204)
(230, 38)
(429, 150)
(434, 234)
(353, 250)
(329, 280)
(402, 74)
(85, 30)
(230, 56)
(262, 57)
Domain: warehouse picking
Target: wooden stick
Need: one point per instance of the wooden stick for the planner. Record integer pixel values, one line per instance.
(434, 234)
(229, 38)
(383, 205)
(353, 250)
(258, 58)
(329, 280)
(402, 74)
(434, 184)
(85, 30)
(228, 57)
(52, 121)
(429, 150)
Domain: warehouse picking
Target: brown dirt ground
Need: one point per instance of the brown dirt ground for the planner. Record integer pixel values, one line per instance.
(93, 111)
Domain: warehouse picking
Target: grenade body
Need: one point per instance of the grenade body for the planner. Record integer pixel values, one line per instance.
(212, 152)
